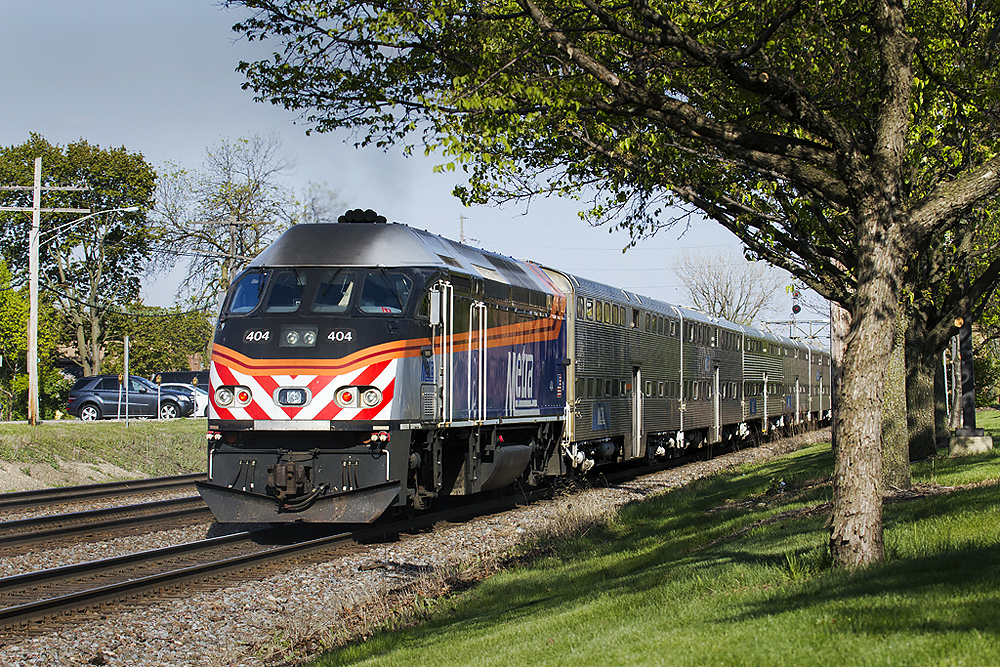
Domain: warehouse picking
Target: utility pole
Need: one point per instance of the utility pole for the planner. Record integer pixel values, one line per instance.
(230, 258)
(36, 216)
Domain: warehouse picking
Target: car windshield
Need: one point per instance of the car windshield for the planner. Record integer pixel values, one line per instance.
(138, 384)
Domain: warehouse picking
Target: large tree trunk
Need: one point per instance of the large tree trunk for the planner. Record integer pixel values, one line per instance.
(83, 349)
(856, 523)
(840, 328)
(920, 376)
(895, 430)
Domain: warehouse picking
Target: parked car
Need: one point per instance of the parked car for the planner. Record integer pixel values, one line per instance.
(102, 396)
(184, 377)
(199, 393)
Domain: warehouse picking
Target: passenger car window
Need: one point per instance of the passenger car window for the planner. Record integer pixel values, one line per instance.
(334, 292)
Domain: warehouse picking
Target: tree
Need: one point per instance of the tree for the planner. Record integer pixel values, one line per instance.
(13, 338)
(160, 339)
(90, 266)
(725, 285)
(836, 140)
(221, 216)
(319, 204)
(13, 352)
(957, 278)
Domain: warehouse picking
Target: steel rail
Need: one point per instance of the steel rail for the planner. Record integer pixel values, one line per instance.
(21, 615)
(24, 614)
(58, 526)
(37, 497)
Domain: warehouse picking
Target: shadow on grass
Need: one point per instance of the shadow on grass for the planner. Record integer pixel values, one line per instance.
(729, 552)
(952, 592)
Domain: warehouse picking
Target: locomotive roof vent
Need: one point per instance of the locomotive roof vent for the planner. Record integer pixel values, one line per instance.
(359, 215)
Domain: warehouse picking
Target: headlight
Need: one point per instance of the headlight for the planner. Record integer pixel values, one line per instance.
(223, 396)
(371, 397)
(238, 396)
(292, 396)
(298, 335)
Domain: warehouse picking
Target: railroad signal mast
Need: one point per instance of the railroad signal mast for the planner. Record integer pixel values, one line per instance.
(817, 330)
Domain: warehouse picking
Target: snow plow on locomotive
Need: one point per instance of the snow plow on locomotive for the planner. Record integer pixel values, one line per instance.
(363, 366)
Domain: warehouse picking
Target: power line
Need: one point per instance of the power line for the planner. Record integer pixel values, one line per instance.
(112, 309)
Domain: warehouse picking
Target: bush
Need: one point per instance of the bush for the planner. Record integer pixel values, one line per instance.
(987, 372)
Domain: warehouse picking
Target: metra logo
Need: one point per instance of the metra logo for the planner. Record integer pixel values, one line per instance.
(520, 381)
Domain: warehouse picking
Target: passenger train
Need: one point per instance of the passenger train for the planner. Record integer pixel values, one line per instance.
(365, 365)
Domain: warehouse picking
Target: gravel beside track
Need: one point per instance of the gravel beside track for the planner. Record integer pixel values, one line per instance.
(254, 622)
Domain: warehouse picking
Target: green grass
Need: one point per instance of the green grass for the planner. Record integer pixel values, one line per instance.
(151, 447)
(733, 570)
(989, 420)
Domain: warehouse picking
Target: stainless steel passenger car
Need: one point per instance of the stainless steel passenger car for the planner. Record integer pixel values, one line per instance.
(652, 379)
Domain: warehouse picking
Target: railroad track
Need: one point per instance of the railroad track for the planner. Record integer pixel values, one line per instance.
(46, 497)
(30, 601)
(22, 535)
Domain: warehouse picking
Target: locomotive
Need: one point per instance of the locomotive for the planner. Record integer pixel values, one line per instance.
(366, 365)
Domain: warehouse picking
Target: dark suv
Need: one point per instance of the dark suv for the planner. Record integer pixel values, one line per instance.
(102, 396)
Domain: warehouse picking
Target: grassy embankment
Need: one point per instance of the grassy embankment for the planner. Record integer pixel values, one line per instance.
(151, 447)
(733, 570)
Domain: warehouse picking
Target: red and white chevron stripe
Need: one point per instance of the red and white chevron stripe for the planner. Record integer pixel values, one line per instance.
(381, 375)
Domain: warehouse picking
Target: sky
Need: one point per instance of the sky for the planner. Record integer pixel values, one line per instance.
(159, 78)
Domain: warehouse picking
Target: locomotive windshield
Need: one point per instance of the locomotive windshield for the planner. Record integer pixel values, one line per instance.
(334, 292)
(321, 291)
(384, 292)
(286, 292)
(247, 291)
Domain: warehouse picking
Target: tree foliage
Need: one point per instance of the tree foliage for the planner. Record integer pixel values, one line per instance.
(219, 217)
(13, 352)
(837, 140)
(160, 339)
(92, 266)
